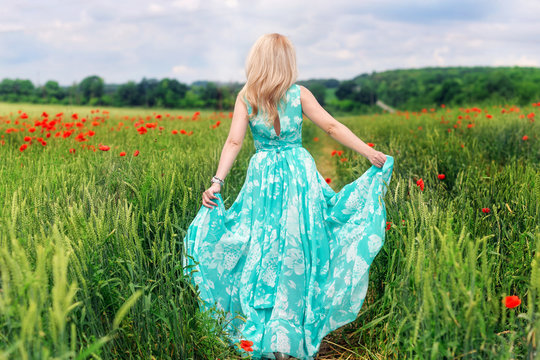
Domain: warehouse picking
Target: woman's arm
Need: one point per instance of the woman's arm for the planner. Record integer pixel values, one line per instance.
(339, 132)
(234, 141)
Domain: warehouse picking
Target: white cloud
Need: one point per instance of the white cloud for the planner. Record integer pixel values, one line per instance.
(209, 40)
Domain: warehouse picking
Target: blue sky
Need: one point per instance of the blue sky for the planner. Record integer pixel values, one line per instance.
(209, 40)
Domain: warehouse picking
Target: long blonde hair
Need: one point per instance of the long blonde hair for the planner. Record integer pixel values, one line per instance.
(270, 71)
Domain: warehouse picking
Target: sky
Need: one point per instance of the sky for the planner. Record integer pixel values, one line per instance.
(190, 40)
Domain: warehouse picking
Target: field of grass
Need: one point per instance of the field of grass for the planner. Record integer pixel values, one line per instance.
(93, 215)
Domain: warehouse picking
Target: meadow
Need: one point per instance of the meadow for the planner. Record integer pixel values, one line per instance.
(96, 202)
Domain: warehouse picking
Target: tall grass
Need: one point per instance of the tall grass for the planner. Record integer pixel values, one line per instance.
(91, 242)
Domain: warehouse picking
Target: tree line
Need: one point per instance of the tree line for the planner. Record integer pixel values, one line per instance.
(403, 89)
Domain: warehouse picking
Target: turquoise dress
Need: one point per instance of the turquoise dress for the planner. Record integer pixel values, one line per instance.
(290, 256)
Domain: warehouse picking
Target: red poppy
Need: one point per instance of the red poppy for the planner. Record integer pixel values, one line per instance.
(24, 116)
(525, 138)
(123, 153)
(328, 180)
(27, 138)
(370, 144)
(489, 116)
(246, 345)
(420, 183)
(512, 301)
(334, 152)
(315, 139)
(388, 225)
(72, 150)
(23, 147)
(104, 147)
(142, 130)
(343, 159)
(175, 132)
(441, 176)
(136, 153)
(31, 129)
(486, 210)
(182, 131)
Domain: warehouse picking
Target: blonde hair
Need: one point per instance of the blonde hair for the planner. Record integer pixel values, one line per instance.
(270, 71)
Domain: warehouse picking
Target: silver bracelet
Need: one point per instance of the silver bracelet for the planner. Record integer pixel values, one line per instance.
(215, 179)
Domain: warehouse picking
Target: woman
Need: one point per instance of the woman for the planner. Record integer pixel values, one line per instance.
(291, 256)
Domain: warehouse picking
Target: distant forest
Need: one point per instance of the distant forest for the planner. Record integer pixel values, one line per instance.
(411, 89)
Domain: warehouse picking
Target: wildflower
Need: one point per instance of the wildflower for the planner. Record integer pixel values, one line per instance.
(370, 144)
(23, 147)
(136, 153)
(489, 116)
(512, 301)
(388, 225)
(31, 129)
(174, 132)
(27, 138)
(420, 183)
(246, 345)
(343, 159)
(328, 180)
(72, 150)
(104, 147)
(486, 210)
(123, 153)
(315, 139)
(334, 152)
(524, 138)
(441, 176)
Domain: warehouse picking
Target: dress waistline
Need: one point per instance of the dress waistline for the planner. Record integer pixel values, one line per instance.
(279, 148)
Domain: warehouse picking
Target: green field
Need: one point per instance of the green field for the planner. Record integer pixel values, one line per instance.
(91, 241)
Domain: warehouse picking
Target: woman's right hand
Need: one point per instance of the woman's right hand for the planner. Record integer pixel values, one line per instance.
(209, 194)
(377, 158)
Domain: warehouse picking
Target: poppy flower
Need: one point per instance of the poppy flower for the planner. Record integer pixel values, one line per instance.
(334, 152)
(343, 159)
(370, 144)
(104, 147)
(182, 131)
(123, 153)
(512, 301)
(142, 130)
(23, 147)
(174, 132)
(525, 138)
(24, 116)
(31, 129)
(315, 139)
(441, 176)
(27, 138)
(246, 345)
(489, 116)
(486, 210)
(328, 180)
(136, 153)
(388, 225)
(72, 150)
(420, 183)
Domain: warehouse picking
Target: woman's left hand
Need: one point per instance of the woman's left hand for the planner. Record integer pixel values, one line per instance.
(209, 194)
